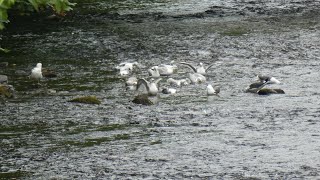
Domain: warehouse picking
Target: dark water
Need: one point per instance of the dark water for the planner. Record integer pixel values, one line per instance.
(187, 135)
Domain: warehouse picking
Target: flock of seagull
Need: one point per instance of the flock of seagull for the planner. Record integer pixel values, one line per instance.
(165, 70)
(197, 76)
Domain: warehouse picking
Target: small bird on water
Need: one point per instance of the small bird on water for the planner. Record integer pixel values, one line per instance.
(212, 90)
(36, 72)
(152, 86)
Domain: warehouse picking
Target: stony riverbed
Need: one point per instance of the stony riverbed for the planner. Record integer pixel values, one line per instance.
(235, 135)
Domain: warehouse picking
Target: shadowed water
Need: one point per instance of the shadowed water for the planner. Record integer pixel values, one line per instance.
(235, 135)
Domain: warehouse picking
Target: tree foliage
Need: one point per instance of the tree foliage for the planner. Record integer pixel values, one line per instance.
(59, 6)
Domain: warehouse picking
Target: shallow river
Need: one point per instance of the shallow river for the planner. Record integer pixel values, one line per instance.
(235, 135)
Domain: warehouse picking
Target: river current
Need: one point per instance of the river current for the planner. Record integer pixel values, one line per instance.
(235, 135)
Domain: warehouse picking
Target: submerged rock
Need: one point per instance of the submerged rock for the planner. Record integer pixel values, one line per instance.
(86, 100)
(4, 64)
(3, 79)
(142, 99)
(21, 73)
(6, 91)
(266, 91)
(48, 73)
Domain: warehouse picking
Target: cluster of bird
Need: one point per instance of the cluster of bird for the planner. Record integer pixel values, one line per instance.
(165, 70)
(197, 76)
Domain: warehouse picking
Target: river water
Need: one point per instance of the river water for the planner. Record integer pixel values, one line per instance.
(235, 135)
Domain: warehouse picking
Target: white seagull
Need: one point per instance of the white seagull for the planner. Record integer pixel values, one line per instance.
(126, 68)
(270, 79)
(154, 72)
(178, 82)
(197, 78)
(168, 90)
(166, 69)
(36, 72)
(263, 81)
(152, 87)
(131, 83)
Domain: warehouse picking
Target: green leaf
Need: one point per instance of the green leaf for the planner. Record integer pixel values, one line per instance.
(61, 6)
(3, 15)
(4, 6)
(34, 4)
(38, 3)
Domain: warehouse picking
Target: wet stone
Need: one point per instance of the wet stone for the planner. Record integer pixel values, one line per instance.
(142, 99)
(266, 91)
(6, 91)
(3, 79)
(21, 73)
(48, 73)
(86, 100)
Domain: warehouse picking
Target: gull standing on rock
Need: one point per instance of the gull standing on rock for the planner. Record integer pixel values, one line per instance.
(263, 80)
(152, 86)
(270, 79)
(36, 72)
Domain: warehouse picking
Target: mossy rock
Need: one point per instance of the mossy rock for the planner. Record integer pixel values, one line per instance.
(266, 91)
(6, 91)
(86, 100)
(142, 99)
(48, 73)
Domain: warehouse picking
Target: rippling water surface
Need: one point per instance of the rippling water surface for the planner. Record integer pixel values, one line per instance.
(235, 135)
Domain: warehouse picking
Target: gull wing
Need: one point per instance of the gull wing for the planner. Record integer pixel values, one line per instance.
(144, 82)
(257, 85)
(157, 81)
(209, 66)
(189, 65)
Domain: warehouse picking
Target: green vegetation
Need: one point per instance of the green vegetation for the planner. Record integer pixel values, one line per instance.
(87, 100)
(22, 7)
(5, 91)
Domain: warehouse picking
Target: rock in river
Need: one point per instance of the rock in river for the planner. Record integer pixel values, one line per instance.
(6, 91)
(3, 79)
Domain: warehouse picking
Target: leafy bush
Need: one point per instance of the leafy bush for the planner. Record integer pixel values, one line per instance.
(59, 6)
